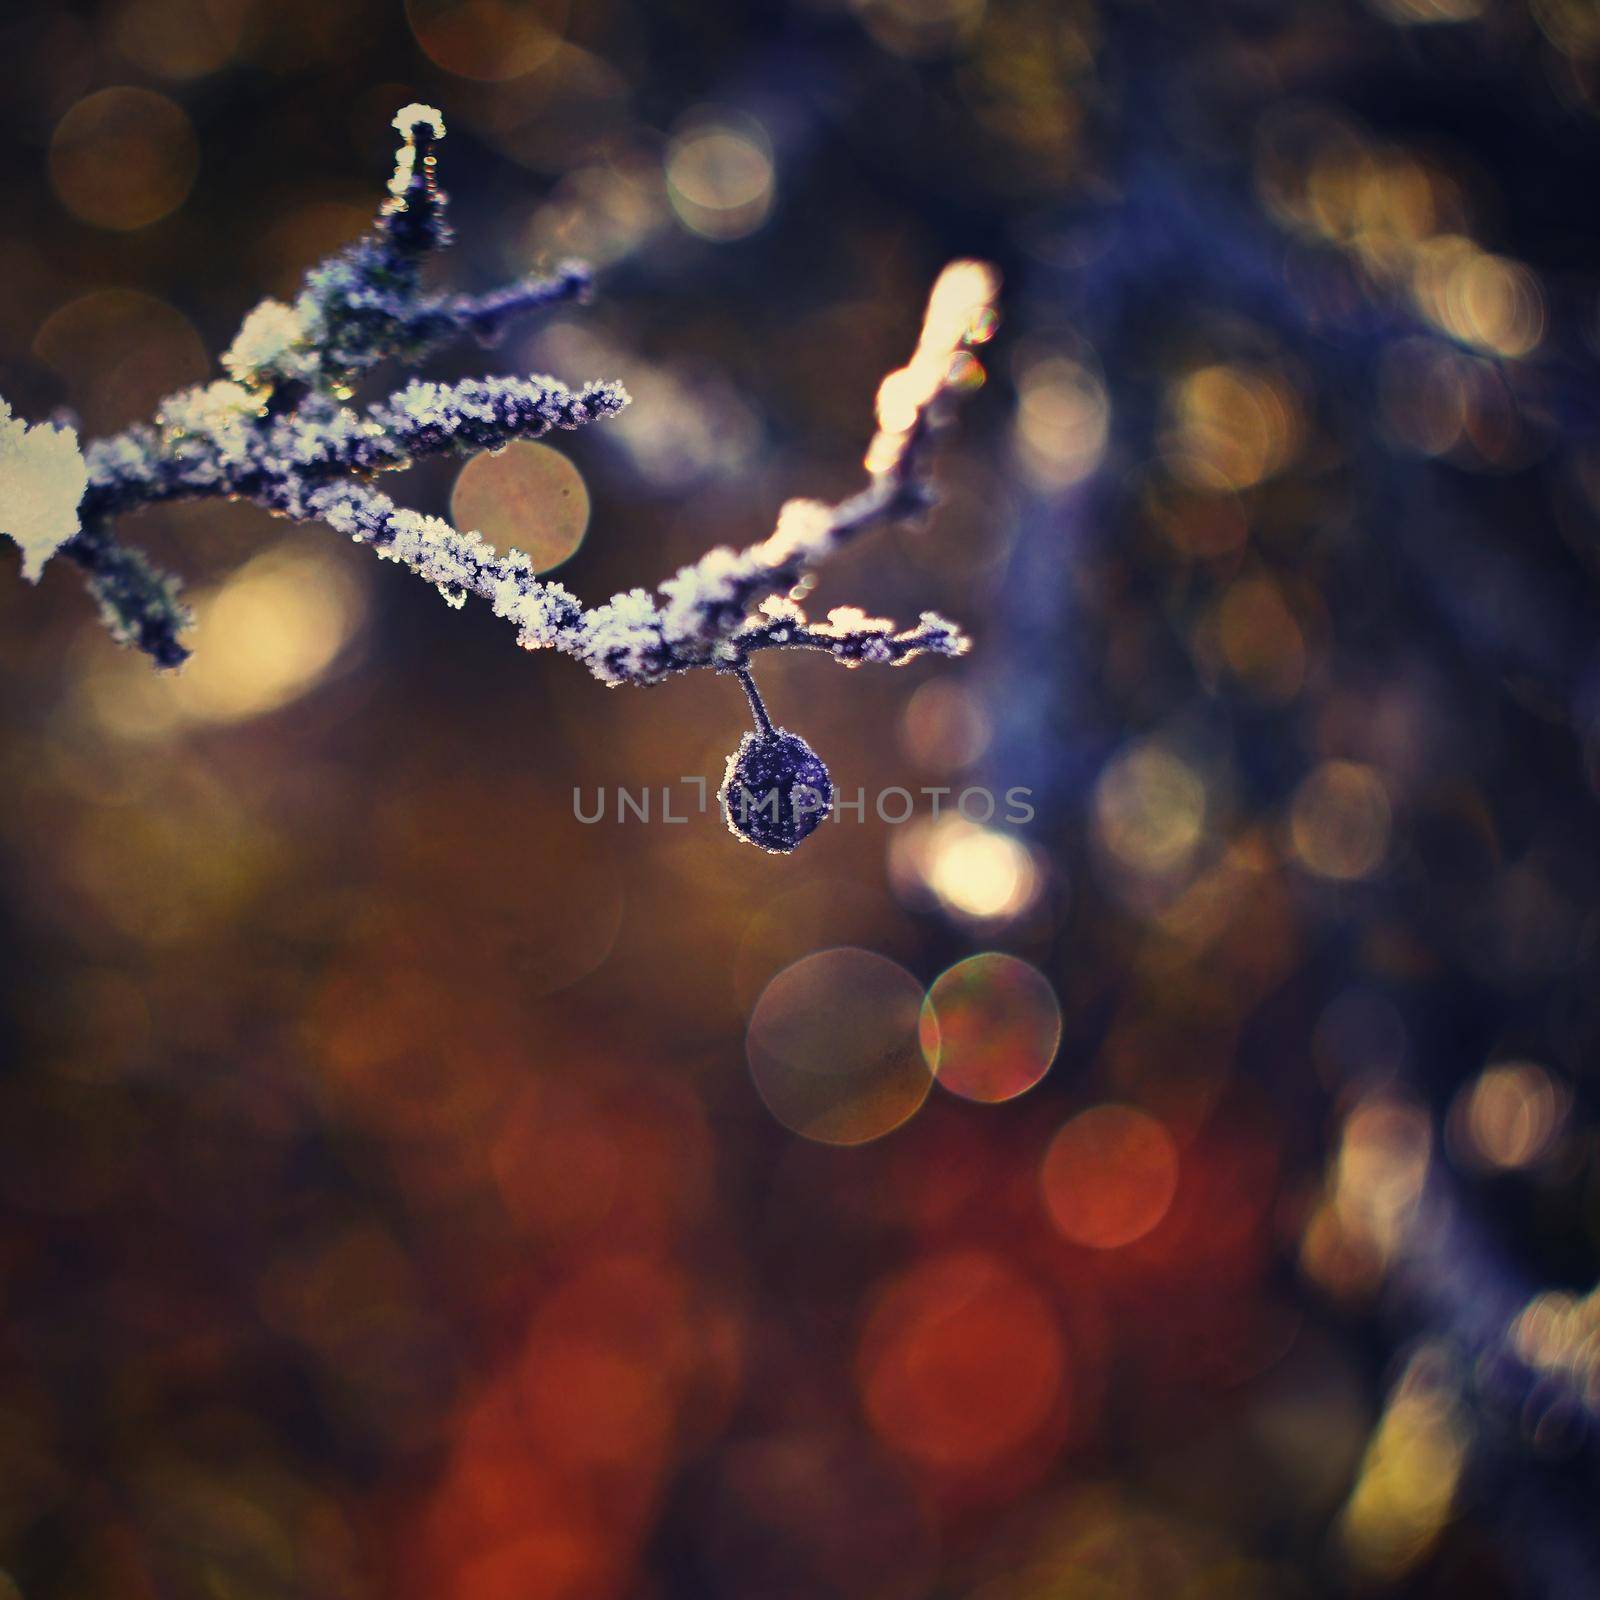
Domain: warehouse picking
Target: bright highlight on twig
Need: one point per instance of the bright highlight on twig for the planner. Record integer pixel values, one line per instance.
(961, 312)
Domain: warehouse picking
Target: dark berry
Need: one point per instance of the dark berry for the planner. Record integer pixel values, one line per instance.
(776, 790)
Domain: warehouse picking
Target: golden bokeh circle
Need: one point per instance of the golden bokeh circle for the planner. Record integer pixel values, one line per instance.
(526, 495)
(1150, 809)
(180, 39)
(120, 353)
(1339, 821)
(123, 158)
(833, 1046)
(720, 178)
(490, 41)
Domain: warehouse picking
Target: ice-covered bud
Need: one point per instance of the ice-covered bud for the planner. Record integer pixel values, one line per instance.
(412, 222)
(420, 126)
(408, 119)
(42, 479)
(775, 791)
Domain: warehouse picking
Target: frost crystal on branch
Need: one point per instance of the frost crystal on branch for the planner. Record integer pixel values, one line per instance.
(279, 432)
(42, 479)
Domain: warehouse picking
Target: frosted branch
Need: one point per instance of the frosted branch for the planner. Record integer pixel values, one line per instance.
(278, 432)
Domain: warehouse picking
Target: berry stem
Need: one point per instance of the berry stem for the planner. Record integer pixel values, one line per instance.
(758, 706)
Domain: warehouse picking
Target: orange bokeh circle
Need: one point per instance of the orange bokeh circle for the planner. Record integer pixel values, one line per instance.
(961, 1363)
(1109, 1176)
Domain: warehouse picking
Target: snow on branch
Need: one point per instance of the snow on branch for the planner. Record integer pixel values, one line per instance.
(278, 431)
(42, 478)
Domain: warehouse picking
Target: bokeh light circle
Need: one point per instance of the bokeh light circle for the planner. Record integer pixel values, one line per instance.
(980, 875)
(123, 158)
(180, 39)
(1149, 809)
(990, 1027)
(120, 353)
(1063, 420)
(1339, 821)
(720, 178)
(1509, 1116)
(944, 726)
(1109, 1176)
(490, 41)
(834, 1046)
(273, 631)
(526, 495)
(961, 1362)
